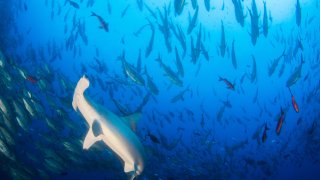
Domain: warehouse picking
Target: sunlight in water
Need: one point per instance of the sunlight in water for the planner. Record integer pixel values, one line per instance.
(281, 10)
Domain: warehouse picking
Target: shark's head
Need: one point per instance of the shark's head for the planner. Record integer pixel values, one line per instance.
(82, 85)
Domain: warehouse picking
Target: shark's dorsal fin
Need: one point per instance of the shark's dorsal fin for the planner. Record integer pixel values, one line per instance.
(90, 139)
(132, 120)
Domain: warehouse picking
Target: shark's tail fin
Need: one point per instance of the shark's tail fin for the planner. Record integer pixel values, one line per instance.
(82, 85)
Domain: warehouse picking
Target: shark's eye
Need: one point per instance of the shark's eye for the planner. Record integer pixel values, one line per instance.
(96, 128)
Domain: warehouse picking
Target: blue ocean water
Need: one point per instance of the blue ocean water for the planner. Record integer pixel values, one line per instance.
(226, 89)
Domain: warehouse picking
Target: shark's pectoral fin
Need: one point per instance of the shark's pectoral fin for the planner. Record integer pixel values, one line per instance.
(90, 139)
(132, 120)
(128, 167)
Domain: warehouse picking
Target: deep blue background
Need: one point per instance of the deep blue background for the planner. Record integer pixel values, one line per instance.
(31, 27)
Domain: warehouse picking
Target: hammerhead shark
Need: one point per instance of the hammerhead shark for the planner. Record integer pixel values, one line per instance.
(113, 130)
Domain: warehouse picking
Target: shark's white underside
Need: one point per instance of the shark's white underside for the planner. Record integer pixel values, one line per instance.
(115, 132)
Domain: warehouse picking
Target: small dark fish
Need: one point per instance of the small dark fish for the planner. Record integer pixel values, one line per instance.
(124, 12)
(298, 13)
(178, 6)
(193, 21)
(227, 82)
(140, 4)
(131, 71)
(264, 135)
(150, 45)
(143, 103)
(32, 79)
(180, 95)
(223, 45)
(295, 76)
(205, 52)
(109, 7)
(283, 66)
(137, 33)
(270, 17)
(103, 24)
(254, 22)
(194, 4)
(227, 103)
(299, 121)
(74, 4)
(153, 138)
(294, 102)
(275, 63)
(25, 6)
(254, 70)
(165, 27)
(313, 127)
(178, 63)
(207, 4)
(233, 56)
(150, 84)
(174, 77)
(265, 19)
(238, 9)
(202, 121)
(306, 77)
(280, 122)
(152, 13)
(222, 7)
